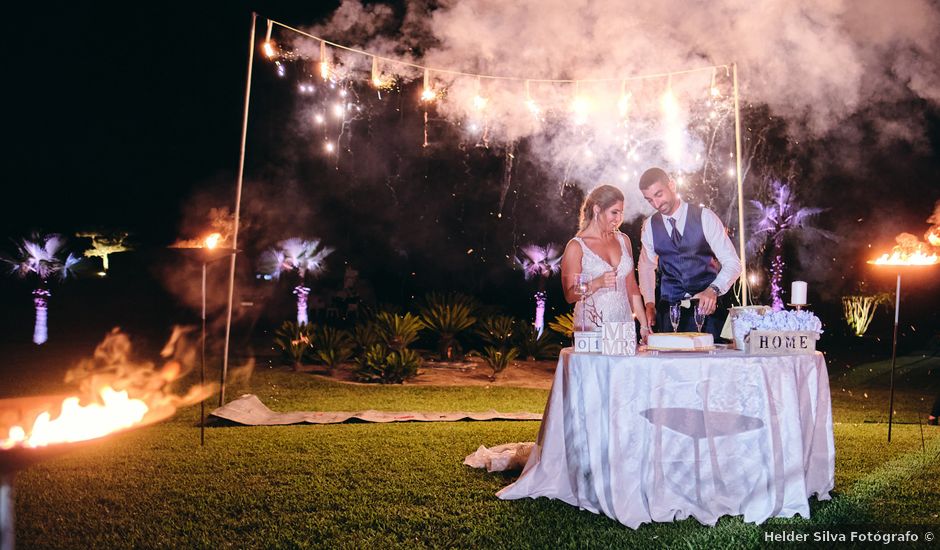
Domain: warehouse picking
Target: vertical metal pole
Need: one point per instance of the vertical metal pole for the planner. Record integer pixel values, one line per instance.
(894, 353)
(238, 205)
(7, 517)
(202, 374)
(737, 171)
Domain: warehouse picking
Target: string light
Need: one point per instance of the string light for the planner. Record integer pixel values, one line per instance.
(427, 93)
(623, 104)
(318, 118)
(324, 62)
(530, 103)
(329, 147)
(268, 45)
(673, 130)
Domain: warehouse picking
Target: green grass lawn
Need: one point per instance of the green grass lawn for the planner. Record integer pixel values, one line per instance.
(386, 485)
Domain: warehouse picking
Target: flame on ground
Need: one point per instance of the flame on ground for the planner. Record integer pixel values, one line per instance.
(121, 393)
(76, 422)
(909, 251)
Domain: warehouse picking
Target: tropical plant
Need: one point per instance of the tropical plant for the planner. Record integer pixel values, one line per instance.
(447, 315)
(498, 359)
(533, 345)
(365, 334)
(398, 331)
(859, 310)
(497, 330)
(774, 222)
(45, 257)
(294, 340)
(563, 324)
(539, 262)
(379, 364)
(299, 255)
(332, 346)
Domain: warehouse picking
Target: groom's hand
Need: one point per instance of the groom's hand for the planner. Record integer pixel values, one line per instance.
(707, 299)
(651, 315)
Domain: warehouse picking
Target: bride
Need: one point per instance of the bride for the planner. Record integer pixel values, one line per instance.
(598, 265)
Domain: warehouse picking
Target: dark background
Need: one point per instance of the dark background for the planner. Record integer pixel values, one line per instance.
(129, 118)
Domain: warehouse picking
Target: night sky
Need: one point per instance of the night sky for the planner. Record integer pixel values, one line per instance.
(129, 119)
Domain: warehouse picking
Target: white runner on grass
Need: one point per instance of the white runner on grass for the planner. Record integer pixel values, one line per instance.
(250, 411)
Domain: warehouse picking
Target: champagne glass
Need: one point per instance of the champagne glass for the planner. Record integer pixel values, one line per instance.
(699, 318)
(674, 314)
(583, 284)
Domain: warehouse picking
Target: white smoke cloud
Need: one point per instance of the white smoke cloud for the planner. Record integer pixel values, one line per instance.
(814, 62)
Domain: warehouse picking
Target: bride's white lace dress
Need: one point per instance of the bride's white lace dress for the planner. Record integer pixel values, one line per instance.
(611, 304)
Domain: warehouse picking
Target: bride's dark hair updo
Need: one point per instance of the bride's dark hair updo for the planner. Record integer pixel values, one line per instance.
(603, 196)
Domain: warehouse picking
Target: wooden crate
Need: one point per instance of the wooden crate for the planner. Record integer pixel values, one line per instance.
(773, 342)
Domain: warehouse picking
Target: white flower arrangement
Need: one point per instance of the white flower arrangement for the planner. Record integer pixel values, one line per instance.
(782, 320)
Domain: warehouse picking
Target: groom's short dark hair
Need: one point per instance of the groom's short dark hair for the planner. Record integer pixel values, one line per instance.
(651, 176)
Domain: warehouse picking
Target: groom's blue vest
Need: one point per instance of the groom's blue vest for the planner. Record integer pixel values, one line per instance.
(688, 268)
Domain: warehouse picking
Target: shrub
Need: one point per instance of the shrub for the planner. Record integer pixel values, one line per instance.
(294, 341)
(498, 359)
(563, 324)
(534, 346)
(398, 331)
(497, 330)
(379, 364)
(447, 315)
(365, 334)
(332, 346)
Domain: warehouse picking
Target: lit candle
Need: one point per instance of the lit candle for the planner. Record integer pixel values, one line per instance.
(798, 293)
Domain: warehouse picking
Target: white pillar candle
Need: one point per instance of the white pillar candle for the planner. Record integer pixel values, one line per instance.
(798, 293)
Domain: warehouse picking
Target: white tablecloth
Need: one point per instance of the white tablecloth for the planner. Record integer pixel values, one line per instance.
(661, 438)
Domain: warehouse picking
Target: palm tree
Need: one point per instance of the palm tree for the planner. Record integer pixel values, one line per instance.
(45, 257)
(776, 221)
(541, 262)
(303, 256)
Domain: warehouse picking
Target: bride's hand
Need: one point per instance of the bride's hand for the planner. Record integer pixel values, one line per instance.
(607, 280)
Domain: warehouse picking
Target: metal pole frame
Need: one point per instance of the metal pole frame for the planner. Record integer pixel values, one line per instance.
(737, 171)
(202, 372)
(238, 204)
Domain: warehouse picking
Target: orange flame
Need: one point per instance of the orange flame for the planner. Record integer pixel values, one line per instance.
(909, 251)
(79, 423)
(933, 236)
(213, 240)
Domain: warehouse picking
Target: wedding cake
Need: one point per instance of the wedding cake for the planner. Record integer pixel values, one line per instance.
(681, 341)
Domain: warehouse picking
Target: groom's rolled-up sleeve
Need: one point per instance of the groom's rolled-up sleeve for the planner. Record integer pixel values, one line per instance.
(723, 248)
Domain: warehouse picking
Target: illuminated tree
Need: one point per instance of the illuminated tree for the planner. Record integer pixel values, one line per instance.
(539, 262)
(104, 245)
(45, 257)
(304, 257)
(772, 224)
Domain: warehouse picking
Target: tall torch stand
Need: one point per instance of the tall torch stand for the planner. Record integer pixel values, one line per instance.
(894, 353)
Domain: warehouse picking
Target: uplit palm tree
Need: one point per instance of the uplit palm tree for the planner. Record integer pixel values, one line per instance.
(539, 262)
(304, 257)
(774, 223)
(45, 257)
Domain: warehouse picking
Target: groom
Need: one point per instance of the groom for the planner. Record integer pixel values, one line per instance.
(691, 248)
